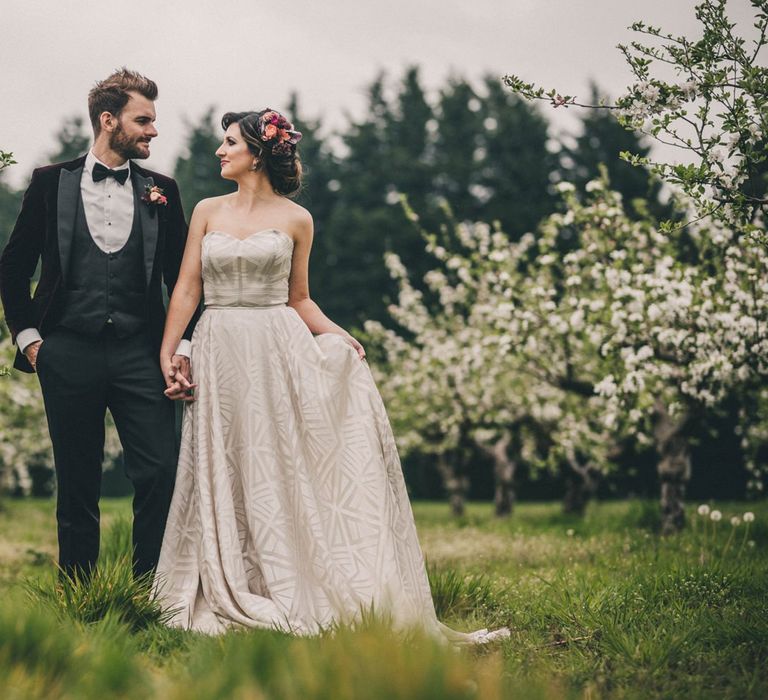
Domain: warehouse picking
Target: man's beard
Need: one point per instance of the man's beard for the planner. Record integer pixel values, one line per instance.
(124, 146)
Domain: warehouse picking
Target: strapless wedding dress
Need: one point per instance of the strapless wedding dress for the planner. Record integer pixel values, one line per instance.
(290, 510)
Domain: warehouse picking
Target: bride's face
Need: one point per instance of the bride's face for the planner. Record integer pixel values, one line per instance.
(236, 159)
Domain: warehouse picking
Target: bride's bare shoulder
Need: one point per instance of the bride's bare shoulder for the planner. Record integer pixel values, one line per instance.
(300, 219)
(209, 205)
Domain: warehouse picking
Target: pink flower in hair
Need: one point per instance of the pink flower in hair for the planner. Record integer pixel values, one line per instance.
(278, 132)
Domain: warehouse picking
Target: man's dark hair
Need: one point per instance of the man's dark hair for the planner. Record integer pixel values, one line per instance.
(111, 94)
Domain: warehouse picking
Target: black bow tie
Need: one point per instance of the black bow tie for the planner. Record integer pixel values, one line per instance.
(101, 172)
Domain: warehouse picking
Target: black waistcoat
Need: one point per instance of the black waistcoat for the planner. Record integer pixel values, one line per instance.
(104, 287)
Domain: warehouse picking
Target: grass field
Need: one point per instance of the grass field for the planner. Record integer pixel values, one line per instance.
(599, 608)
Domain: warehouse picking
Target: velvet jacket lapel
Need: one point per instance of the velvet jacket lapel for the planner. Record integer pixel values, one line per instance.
(66, 211)
(149, 223)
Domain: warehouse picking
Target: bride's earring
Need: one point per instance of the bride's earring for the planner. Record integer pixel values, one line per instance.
(255, 165)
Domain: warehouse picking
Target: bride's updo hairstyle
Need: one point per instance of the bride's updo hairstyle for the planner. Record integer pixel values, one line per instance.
(272, 139)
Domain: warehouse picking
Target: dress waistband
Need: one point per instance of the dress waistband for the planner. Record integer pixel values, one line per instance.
(218, 307)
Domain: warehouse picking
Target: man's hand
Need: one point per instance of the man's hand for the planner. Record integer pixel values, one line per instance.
(178, 378)
(184, 366)
(31, 353)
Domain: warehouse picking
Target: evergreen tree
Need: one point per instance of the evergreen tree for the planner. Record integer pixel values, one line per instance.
(319, 195)
(72, 140)
(319, 166)
(197, 171)
(363, 173)
(367, 219)
(486, 158)
(515, 163)
(458, 134)
(408, 143)
(389, 156)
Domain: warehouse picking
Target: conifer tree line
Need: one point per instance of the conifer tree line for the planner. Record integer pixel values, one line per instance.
(418, 160)
(463, 152)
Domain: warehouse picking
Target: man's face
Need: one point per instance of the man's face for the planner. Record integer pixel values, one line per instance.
(135, 128)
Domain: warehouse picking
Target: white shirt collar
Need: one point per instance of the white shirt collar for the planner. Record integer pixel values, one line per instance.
(91, 160)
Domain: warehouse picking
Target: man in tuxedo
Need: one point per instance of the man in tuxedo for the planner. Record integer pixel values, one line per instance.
(108, 233)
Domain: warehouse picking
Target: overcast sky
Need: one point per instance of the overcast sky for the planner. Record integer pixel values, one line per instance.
(243, 54)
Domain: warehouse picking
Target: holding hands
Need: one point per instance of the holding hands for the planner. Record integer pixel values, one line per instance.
(177, 373)
(177, 370)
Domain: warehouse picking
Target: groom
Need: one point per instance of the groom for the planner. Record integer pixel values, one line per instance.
(108, 232)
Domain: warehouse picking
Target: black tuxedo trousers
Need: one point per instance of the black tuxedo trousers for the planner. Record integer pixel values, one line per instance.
(83, 376)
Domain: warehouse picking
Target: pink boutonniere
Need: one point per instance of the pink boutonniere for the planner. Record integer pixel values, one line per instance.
(154, 195)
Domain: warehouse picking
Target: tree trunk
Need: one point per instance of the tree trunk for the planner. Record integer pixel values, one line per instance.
(577, 495)
(504, 474)
(674, 468)
(580, 485)
(504, 492)
(455, 485)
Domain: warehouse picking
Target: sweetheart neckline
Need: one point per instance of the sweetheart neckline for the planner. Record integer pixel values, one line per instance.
(250, 235)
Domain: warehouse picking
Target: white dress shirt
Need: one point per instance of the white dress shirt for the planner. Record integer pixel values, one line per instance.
(109, 213)
(108, 206)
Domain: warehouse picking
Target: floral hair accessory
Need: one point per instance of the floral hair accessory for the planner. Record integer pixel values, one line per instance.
(278, 133)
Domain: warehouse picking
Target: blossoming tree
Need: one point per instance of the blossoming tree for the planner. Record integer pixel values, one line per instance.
(708, 97)
(458, 374)
(447, 381)
(701, 335)
(675, 322)
(25, 447)
(597, 332)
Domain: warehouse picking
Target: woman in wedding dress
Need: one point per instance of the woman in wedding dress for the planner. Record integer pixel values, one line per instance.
(290, 510)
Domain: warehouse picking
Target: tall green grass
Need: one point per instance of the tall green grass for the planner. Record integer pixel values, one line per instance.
(599, 608)
(370, 662)
(45, 657)
(456, 594)
(110, 592)
(41, 657)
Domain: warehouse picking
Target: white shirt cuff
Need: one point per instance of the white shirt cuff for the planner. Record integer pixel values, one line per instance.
(27, 337)
(184, 348)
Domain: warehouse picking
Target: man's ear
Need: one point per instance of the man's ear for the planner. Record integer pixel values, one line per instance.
(108, 121)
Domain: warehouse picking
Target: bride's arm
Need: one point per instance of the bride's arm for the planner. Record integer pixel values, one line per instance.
(184, 300)
(298, 288)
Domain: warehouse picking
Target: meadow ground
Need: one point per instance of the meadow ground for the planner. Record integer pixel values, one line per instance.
(599, 607)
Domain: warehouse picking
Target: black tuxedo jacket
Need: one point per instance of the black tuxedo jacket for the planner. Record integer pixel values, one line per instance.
(44, 231)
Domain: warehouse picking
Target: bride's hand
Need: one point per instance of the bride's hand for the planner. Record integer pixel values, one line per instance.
(178, 387)
(359, 349)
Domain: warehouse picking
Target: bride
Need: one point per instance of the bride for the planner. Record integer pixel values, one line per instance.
(290, 510)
